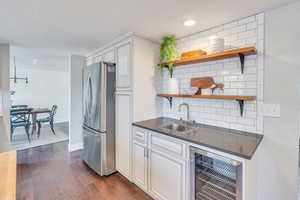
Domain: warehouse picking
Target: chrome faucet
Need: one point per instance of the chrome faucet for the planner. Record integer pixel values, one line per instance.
(187, 110)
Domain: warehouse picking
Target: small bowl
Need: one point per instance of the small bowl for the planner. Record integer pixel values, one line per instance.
(190, 91)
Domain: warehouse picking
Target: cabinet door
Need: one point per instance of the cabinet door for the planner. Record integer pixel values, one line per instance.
(139, 165)
(166, 177)
(124, 66)
(123, 136)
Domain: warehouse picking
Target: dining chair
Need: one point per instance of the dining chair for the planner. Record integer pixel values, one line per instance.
(20, 118)
(49, 119)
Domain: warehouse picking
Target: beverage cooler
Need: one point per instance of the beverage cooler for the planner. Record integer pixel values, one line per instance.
(214, 177)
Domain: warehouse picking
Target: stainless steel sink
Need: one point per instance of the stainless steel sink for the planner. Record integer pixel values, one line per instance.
(181, 128)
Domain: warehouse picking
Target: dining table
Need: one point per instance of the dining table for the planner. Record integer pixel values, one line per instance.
(34, 112)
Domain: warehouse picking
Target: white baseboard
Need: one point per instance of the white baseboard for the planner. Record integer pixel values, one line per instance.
(75, 147)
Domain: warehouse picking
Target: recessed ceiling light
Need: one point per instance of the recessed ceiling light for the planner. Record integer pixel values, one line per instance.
(189, 22)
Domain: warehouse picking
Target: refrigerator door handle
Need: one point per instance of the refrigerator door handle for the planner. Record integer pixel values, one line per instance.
(90, 92)
(103, 96)
(92, 131)
(114, 95)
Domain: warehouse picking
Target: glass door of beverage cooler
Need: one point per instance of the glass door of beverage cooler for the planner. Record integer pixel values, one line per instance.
(214, 177)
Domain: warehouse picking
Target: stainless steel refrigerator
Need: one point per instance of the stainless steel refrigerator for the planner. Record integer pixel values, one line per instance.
(99, 117)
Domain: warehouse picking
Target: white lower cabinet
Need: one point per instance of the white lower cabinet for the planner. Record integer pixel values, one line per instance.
(160, 175)
(140, 169)
(166, 177)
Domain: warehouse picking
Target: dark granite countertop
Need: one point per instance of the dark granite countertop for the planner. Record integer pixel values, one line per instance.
(239, 143)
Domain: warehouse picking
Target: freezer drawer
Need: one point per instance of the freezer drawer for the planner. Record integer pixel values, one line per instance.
(92, 145)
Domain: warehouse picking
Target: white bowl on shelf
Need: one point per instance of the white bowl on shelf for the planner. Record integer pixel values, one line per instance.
(190, 91)
(216, 45)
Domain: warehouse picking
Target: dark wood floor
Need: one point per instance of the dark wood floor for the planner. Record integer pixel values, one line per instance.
(51, 173)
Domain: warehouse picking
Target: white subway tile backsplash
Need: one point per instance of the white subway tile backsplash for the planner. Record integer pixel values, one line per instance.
(251, 84)
(227, 85)
(231, 78)
(230, 65)
(251, 41)
(247, 34)
(246, 121)
(238, 85)
(250, 107)
(242, 33)
(250, 70)
(250, 62)
(238, 43)
(230, 91)
(250, 114)
(247, 92)
(216, 67)
(252, 25)
(250, 77)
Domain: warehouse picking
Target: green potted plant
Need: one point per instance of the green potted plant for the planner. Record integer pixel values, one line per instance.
(168, 54)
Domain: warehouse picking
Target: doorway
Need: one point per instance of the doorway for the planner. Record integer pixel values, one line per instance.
(39, 85)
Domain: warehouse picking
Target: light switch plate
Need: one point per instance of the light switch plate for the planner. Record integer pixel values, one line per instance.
(1, 104)
(270, 110)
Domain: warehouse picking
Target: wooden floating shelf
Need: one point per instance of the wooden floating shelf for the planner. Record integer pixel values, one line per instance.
(236, 53)
(240, 99)
(226, 97)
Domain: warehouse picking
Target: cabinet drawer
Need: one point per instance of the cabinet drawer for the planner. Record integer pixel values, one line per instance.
(168, 145)
(140, 135)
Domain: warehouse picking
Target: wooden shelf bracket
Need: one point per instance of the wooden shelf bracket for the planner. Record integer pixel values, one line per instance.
(242, 60)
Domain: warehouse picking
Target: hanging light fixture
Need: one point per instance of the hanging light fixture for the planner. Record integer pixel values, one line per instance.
(15, 78)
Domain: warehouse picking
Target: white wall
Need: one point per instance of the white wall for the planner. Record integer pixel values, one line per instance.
(278, 154)
(76, 64)
(46, 87)
(4, 66)
(5, 98)
(145, 55)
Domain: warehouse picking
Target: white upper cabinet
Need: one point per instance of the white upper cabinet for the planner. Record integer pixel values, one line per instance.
(124, 66)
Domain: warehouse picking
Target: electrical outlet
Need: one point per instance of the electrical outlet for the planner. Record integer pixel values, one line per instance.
(270, 110)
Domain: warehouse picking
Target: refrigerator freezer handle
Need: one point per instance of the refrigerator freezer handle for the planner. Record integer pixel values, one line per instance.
(93, 131)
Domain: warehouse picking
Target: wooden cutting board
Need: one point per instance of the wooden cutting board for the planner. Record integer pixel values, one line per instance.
(205, 83)
(192, 54)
